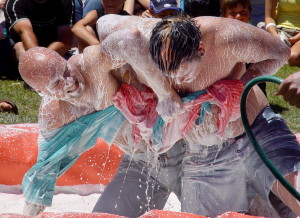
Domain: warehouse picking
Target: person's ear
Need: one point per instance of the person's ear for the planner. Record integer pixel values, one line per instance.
(201, 48)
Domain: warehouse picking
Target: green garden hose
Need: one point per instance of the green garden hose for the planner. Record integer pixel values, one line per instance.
(252, 138)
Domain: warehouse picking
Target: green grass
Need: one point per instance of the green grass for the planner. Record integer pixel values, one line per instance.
(28, 102)
(290, 113)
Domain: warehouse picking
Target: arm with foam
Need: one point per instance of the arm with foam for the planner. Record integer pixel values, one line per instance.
(253, 45)
(130, 45)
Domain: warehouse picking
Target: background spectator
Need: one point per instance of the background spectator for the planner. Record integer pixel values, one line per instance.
(236, 9)
(82, 7)
(283, 21)
(85, 29)
(157, 9)
(8, 67)
(46, 23)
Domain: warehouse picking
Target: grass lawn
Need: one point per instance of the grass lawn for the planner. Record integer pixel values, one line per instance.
(290, 113)
(28, 102)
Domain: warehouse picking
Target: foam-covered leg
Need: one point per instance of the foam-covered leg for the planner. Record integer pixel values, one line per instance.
(33, 209)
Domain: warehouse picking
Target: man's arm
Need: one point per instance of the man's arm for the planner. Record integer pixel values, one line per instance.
(270, 15)
(130, 45)
(265, 52)
(82, 33)
(50, 114)
(111, 23)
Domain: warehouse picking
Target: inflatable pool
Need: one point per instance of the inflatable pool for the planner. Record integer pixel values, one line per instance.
(85, 179)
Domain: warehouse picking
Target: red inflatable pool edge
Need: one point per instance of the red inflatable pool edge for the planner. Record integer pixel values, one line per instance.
(63, 215)
(150, 214)
(18, 152)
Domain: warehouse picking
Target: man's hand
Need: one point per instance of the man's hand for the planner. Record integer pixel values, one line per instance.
(290, 89)
(169, 107)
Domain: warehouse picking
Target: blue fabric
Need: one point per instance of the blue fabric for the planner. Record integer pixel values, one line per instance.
(231, 174)
(138, 188)
(59, 153)
(159, 124)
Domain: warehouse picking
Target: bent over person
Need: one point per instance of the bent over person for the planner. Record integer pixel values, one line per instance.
(71, 115)
(206, 56)
(76, 109)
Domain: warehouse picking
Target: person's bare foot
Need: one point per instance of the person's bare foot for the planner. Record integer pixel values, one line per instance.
(8, 106)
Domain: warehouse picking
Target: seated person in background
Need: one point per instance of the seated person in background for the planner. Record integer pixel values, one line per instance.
(205, 56)
(236, 9)
(84, 7)
(282, 20)
(136, 7)
(195, 8)
(47, 23)
(160, 9)
(85, 29)
(8, 65)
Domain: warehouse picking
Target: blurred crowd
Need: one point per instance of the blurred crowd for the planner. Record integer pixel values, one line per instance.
(68, 26)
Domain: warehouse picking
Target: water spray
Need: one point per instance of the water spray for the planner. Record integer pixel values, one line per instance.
(252, 138)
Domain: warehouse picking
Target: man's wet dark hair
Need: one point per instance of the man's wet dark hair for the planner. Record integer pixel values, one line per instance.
(179, 36)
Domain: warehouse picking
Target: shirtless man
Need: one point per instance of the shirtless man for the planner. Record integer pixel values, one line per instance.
(196, 58)
(76, 109)
(68, 94)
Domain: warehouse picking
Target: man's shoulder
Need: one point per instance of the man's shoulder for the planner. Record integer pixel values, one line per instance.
(218, 21)
(226, 26)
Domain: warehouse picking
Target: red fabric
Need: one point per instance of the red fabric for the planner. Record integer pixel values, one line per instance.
(139, 107)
